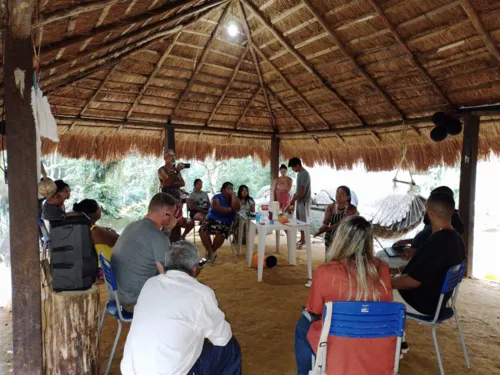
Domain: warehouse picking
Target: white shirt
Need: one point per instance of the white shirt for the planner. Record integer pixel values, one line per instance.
(173, 316)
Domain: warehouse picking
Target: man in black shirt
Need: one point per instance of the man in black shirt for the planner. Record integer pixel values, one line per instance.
(419, 287)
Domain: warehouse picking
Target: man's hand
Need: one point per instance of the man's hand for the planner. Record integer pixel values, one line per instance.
(393, 271)
(408, 253)
(179, 167)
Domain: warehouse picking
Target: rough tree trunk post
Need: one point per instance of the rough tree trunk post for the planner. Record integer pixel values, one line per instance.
(72, 333)
(468, 183)
(169, 138)
(23, 181)
(275, 161)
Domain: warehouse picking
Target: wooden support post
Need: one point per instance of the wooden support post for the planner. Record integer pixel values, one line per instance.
(468, 183)
(72, 333)
(169, 138)
(275, 158)
(23, 182)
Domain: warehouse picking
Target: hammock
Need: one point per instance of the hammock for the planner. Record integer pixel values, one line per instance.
(400, 212)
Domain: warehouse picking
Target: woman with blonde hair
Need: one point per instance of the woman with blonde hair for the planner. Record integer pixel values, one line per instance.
(352, 273)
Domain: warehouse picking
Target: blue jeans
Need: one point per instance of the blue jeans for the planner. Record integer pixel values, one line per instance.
(303, 350)
(218, 360)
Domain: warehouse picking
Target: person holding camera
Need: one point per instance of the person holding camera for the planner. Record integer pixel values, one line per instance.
(171, 183)
(178, 327)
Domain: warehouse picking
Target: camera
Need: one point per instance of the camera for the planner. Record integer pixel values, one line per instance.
(186, 165)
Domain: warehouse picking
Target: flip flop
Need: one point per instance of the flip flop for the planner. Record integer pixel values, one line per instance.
(212, 259)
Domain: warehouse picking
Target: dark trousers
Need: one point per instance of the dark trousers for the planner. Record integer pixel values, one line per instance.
(303, 350)
(218, 360)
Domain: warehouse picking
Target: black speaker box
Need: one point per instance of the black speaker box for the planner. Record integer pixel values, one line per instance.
(73, 258)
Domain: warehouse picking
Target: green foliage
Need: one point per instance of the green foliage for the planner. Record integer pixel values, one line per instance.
(124, 188)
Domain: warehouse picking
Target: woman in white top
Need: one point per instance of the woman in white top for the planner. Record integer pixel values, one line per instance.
(198, 202)
(247, 204)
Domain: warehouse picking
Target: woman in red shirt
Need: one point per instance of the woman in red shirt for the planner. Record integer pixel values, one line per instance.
(352, 273)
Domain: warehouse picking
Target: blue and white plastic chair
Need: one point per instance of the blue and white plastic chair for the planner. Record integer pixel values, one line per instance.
(360, 320)
(451, 284)
(113, 305)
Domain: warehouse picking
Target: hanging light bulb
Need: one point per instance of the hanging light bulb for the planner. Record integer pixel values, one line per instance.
(232, 29)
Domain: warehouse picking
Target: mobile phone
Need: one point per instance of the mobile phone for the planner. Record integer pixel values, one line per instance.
(187, 165)
(202, 262)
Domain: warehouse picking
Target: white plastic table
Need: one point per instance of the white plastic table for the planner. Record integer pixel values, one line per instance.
(262, 230)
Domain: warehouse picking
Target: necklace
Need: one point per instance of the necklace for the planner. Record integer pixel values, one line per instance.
(169, 170)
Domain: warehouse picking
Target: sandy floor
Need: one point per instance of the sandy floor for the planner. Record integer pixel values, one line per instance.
(263, 317)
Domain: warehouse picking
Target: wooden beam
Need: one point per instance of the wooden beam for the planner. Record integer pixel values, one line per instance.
(102, 16)
(296, 92)
(351, 57)
(169, 138)
(229, 83)
(275, 161)
(97, 92)
(203, 57)
(379, 33)
(141, 32)
(287, 110)
(248, 34)
(302, 60)
(410, 54)
(91, 121)
(367, 128)
(152, 76)
(117, 55)
(130, 7)
(23, 178)
(481, 30)
(467, 198)
(71, 26)
(75, 11)
(247, 107)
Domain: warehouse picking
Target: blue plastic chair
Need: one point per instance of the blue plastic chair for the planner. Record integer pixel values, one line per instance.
(113, 305)
(361, 320)
(451, 284)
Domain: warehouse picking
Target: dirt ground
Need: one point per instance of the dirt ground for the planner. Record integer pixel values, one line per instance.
(263, 317)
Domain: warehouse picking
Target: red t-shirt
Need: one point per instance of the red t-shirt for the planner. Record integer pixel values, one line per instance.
(349, 356)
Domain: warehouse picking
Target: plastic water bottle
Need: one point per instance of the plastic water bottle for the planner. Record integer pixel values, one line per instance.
(264, 217)
(257, 217)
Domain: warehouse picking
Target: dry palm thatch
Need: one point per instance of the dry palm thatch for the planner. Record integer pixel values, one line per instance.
(338, 81)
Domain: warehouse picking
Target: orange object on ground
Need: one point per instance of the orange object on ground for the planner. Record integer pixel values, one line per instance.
(255, 258)
(269, 261)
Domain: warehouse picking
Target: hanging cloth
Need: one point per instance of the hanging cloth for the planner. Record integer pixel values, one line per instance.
(45, 122)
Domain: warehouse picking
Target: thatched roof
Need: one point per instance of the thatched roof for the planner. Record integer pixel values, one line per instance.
(336, 80)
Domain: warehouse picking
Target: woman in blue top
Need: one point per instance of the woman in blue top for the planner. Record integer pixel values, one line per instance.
(219, 219)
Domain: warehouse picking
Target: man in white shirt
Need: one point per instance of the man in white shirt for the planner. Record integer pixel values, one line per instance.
(178, 328)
